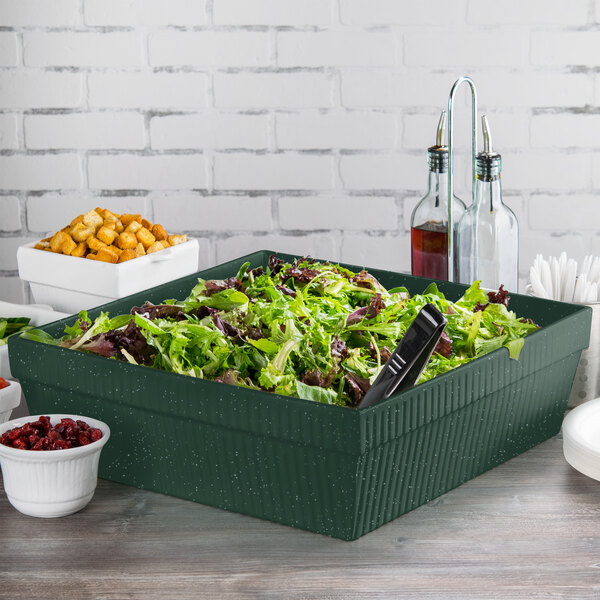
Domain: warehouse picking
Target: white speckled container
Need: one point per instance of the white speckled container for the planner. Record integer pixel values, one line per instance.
(51, 483)
(586, 385)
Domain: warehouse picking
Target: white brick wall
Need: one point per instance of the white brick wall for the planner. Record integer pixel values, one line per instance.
(273, 90)
(39, 13)
(293, 125)
(82, 49)
(272, 12)
(87, 131)
(144, 13)
(9, 132)
(223, 131)
(355, 130)
(133, 172)
(222, 214)
(10, 214)
(209, 49)
(336, 49)
(41, 172)
(9, 49)
(144, 90)
(379, 12)
(273, 172)
(338, 213)
(34, 88)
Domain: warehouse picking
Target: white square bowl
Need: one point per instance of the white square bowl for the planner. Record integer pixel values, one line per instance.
(71, 284)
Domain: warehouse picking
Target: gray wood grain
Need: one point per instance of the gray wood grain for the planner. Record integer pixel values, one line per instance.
(528, 529)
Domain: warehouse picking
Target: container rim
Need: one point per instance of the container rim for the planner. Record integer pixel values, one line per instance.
(53, 455)
(262, 256)
(152, 258)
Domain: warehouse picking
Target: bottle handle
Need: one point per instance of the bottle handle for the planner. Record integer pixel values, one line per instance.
(457, 83)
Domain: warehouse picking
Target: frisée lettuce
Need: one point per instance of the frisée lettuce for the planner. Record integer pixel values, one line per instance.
(314, 330)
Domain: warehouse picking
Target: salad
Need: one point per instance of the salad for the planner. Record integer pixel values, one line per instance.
(309, 329)
(11, 325)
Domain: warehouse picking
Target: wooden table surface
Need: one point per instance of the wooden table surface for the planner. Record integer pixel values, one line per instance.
(529, 529)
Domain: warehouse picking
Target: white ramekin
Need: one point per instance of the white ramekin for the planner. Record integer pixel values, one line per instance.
(51, 483)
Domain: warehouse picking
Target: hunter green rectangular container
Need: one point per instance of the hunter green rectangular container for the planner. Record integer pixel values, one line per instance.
(332, 470)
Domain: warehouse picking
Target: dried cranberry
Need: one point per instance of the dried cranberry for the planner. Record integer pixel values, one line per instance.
(95, 434)
(84, 438)
(19, 443)
(41, 435)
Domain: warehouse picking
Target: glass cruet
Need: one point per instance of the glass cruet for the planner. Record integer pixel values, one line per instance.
(429, 219)
(488, 232)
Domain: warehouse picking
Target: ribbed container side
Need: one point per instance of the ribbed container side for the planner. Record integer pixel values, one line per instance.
(328, 469)
(295, 484)
(426, 462)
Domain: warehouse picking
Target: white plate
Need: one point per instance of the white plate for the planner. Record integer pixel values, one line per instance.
(39, 315)
(581, 438)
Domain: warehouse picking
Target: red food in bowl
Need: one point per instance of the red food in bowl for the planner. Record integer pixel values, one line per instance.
(42, 435)
(3, 383)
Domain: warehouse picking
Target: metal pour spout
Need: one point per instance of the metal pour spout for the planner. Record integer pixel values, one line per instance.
(487, 135)
(441, 128)
(488, 163)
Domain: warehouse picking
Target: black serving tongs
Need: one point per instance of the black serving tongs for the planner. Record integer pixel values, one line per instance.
(410, 357)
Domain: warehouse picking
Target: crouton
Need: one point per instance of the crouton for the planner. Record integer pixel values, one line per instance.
(158, 231)
(127, 218)
(106, 235)
(103, 235)
(145, 237)
(93, 219)
(127, 255)
(127, 240)
(57, 241)
(107, 254)
(80, 250)
(80, 232)
(133, 227)
(177, 239)
(156, 247)
(76, 220)
(95, 244)
(68, 245)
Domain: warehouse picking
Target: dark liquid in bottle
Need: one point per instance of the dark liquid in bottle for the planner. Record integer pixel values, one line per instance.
(429, 250)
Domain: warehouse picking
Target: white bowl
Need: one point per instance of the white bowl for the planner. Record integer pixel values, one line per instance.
(70, 284)
(51, 483)
(581, 438)
(10, 397)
